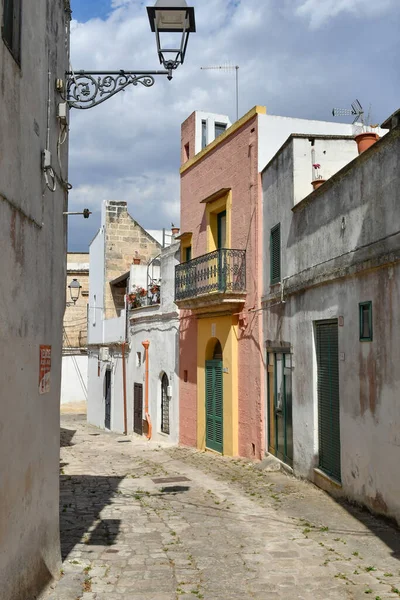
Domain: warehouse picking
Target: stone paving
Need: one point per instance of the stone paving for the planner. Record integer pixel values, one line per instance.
(147, 521)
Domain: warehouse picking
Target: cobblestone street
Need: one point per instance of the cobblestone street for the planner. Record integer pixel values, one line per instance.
(150, 522)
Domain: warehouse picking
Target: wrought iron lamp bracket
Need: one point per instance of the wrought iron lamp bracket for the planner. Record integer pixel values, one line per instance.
(87, 89)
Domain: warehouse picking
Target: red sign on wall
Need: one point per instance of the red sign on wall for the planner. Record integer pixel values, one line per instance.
(44, 369)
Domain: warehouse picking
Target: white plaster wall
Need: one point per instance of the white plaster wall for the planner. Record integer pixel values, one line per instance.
(332, 155)
(74, 379)
(369, 384)
(160, 326)
(32, 302)
(163, 358)
(96, 288)
(273, 131)
(96, 388)
(95, 405)
(114, 330)
(364, 197)
(139, 275)
(211, 119)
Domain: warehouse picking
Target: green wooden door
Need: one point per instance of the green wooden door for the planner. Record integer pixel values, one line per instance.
(328, 398)
(214, 405)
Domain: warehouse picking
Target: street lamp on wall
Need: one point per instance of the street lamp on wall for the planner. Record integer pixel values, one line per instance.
(172, 17)
(75, 291)
(87, 89)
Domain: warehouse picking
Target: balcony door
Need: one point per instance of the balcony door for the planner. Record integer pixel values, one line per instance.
(221, 243)
(221, 230)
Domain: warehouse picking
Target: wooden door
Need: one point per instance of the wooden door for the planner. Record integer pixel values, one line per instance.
(138, 408)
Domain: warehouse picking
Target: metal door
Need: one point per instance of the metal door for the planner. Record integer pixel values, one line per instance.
(138, 408)
(214, 405)
(328, 398)
(164, 404)
(107, 399)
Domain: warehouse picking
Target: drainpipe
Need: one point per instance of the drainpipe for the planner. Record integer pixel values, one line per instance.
(123, 346)
(146, 345)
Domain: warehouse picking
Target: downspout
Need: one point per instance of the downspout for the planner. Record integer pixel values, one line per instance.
(123, 346)
(146, 345)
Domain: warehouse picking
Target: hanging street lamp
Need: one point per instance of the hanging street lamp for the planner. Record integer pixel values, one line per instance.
(74, 290)
(171, 19)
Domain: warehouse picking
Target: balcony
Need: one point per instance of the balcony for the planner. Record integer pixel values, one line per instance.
(216, 280)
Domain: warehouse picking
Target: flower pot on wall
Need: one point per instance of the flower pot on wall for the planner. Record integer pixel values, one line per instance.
(317, 182)
(136, 261)
(365, 140)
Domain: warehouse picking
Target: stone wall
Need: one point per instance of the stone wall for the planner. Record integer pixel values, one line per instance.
(75, 316)
(125, 240)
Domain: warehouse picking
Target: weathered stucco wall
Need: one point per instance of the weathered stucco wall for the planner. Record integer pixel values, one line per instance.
(33, 250)
(341, 246)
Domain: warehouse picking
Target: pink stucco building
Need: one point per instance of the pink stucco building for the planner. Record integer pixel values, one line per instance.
(218, 284)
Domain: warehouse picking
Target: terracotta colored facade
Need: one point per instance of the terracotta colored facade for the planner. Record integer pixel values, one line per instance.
(226, 168)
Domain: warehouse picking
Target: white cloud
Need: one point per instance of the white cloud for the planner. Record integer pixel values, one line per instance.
(321, 11)
(129, 147)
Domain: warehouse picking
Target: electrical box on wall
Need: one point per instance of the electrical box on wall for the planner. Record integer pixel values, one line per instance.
(62, 112)
(104, 354)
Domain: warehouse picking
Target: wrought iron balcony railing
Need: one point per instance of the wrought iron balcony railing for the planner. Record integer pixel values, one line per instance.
(222, 271)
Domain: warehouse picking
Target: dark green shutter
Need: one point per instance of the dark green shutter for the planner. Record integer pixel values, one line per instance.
(275, 249)
(214, 405)
(328, 398)
(11, 26)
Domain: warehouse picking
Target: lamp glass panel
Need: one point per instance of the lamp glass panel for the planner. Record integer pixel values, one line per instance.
(171, 19)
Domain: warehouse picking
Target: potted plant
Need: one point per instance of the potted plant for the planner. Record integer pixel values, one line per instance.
(367, 137)
(318, 179)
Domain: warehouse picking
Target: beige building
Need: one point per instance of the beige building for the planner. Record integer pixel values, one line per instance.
(75, 317)
(74, 359)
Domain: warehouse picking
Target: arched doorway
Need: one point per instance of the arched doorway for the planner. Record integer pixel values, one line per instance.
(164, 404)
(214, 399)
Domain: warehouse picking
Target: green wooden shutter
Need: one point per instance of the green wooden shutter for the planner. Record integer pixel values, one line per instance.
(275, 250)
(214, 405)
(328, 398)
(210, 436)
(218, 400)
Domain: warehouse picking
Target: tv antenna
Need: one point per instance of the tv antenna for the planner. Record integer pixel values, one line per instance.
(355, 111)
(227, 68)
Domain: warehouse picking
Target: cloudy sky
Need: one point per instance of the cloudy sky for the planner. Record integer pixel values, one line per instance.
(297, 57)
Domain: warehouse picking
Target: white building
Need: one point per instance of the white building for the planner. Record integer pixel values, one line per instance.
(131, 276)
(33, 54)
(331, 315)
(159, 325)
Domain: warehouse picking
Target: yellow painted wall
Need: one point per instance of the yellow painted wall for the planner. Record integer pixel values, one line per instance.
(186, 242)
(212, 210)
(209, 330)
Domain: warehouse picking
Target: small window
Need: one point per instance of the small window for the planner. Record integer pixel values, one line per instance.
(203, 134)
(275, 250)
(187, 151)
(11, 27)
(138, 359)
(366, 321)
(220, 128)
(188, 253)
